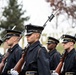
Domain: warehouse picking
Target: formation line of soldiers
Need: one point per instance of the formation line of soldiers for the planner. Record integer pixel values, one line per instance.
(35, 60)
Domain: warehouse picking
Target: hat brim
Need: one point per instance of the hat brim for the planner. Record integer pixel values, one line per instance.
(65, 41)
(28, 34)
(13, 31)
(8, 37)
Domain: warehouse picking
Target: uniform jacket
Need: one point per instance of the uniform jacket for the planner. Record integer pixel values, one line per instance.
(36, 60)
(54, 59)
(70, 62)
(12, 59)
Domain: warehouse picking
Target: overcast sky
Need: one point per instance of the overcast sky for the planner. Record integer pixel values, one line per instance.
(39, 10)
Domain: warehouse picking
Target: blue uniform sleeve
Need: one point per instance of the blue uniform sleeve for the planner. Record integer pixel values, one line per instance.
(43, 62)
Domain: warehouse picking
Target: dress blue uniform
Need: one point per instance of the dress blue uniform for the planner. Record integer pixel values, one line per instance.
(15, 53)
(70, 63)
(69, 67)
(54, 55)
(36, 58)
(54, 59)
(13, 58)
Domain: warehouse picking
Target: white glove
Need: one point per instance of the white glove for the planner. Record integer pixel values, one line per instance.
(54, 73)
(13, 72)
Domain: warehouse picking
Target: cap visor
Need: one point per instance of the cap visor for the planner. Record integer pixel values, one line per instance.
(64, 41)
(28, 34)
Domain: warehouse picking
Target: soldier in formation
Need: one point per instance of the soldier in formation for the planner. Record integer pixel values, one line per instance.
(14, 52)
(69, 67)
(54, 55)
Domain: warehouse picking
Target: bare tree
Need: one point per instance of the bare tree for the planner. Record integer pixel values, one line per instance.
(65, 6)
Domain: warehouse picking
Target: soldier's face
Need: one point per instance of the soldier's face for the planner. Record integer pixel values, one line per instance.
(31, 38)
(11, 40)
(67, 45)
(51, 46)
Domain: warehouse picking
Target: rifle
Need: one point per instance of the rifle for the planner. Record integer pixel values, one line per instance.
(3, 61)
(20, 63)
(59, 67)
(50, 17)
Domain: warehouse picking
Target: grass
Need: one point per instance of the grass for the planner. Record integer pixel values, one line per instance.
(60, 48)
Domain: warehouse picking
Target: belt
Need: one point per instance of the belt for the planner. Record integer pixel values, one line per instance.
(31, 73)
(69, 73)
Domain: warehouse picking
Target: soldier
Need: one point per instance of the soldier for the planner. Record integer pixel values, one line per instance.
(12, 39)
(54, 55)
(69, 67)
(36, 60)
